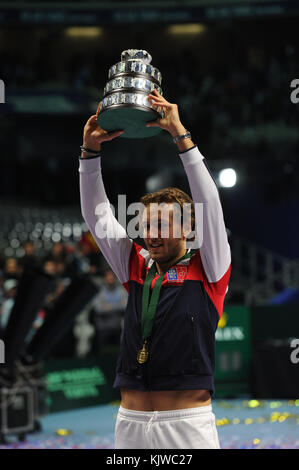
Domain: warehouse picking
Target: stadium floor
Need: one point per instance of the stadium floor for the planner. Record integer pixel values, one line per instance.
(241, 424)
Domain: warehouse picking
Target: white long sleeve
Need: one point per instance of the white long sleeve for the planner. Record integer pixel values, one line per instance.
(97, 213)
(215, 250)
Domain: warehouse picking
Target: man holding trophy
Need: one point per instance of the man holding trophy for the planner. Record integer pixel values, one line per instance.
(166, 364)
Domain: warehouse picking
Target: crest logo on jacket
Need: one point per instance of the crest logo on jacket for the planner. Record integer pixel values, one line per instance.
(177, 274)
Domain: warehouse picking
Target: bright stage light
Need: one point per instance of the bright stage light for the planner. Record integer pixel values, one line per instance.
(227, 178)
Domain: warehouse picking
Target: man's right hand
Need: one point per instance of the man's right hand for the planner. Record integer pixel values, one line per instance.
(94, 135)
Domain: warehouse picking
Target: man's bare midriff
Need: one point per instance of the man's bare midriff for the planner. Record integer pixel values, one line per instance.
(163, 400)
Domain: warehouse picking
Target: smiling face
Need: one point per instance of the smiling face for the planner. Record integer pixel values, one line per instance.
(162, 233)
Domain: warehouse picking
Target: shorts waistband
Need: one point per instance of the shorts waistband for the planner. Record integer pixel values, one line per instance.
(164, 415)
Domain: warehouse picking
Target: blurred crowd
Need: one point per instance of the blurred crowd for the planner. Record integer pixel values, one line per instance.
(63, 262)
(232, 88)
(248, 88)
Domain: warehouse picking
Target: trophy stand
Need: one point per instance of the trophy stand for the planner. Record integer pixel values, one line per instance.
(125, 105)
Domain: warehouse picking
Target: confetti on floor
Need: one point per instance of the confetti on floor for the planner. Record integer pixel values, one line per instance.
(241, 424)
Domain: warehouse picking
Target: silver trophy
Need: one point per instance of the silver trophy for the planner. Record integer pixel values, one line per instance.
(125, 102)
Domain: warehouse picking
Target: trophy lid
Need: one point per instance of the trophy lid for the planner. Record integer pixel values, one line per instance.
(136, 54)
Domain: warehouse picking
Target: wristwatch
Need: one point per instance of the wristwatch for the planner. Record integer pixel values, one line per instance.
(181, 137)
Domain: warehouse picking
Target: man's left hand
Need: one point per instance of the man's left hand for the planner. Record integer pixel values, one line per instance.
(171, 121)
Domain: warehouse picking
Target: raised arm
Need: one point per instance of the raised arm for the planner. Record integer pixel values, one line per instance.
(214, 250)
(109, 235)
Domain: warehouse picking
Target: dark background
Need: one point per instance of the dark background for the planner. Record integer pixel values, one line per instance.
(231, 82)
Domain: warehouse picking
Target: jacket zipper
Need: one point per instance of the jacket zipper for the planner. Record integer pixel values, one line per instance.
(193, 335)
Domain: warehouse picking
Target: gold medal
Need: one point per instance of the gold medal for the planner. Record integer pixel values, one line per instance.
(142, 354)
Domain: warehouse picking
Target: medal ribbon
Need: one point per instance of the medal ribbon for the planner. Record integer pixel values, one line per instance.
(149, 308)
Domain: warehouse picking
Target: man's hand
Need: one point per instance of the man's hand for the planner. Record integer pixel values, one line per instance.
(94, 135)
(171, 121)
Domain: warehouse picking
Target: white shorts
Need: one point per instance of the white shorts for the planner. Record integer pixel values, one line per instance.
(191, 428)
